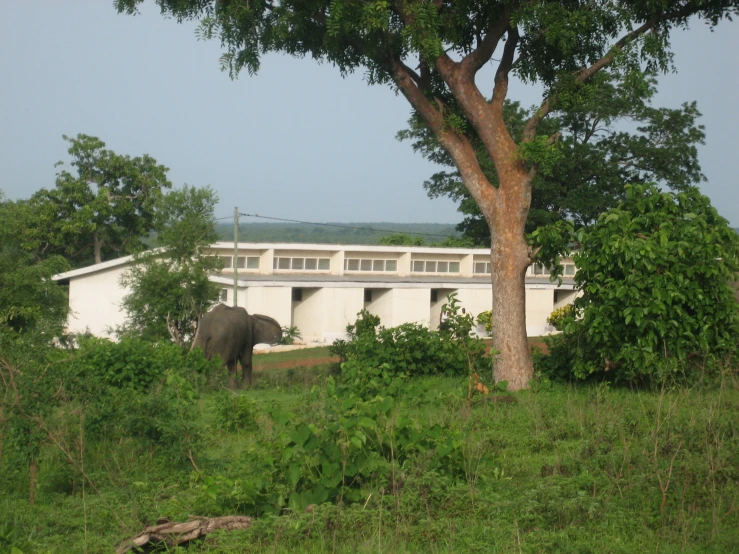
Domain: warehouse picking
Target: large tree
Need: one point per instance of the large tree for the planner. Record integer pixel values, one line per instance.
(614, 137)
(432, 51)
(100, 209)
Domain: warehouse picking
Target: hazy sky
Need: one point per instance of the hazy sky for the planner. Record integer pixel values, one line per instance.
(296, 141)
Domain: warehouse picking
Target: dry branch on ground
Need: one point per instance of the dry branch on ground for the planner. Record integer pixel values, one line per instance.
(174, 533)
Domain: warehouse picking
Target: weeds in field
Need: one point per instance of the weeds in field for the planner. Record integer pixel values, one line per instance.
(327, 467)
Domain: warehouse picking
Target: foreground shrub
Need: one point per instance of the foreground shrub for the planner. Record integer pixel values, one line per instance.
(377, 359)
(346, 455)
(656, 302)
(135, 363)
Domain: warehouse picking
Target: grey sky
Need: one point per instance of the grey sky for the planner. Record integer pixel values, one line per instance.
(296, 141)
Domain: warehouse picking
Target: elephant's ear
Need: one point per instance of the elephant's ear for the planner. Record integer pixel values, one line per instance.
(265, 330)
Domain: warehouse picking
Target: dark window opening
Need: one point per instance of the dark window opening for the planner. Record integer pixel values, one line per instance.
(297, 295)
(368, 295)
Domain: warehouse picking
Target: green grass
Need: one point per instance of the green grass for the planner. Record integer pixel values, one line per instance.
(560, 468)
(292, 355)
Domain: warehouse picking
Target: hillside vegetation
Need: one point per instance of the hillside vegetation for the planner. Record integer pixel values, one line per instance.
(348, 233)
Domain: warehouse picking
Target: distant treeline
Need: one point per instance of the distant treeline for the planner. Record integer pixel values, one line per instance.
(343, 233)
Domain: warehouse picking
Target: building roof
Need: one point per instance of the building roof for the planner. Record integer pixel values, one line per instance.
(308, 280)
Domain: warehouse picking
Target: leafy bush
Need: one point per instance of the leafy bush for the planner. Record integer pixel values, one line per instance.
(235, 413)
(134, 363)
(359, 446)
(290, 334)
(377, 359)
(559, 317)
(655, 275)
(486, 320)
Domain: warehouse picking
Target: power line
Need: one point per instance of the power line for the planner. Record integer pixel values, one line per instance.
(338, 225)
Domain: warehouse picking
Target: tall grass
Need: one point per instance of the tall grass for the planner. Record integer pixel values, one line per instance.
(559, 468)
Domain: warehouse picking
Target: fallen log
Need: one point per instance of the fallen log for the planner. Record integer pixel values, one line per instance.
(174, 533)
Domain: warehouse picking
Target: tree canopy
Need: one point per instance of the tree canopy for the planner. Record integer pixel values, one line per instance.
(100, 209)
(170, 286)
(431, 51)
(28, 297)
(613, 138)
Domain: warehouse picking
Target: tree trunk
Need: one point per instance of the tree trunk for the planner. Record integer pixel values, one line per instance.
(510, 257)
(97, 247)
(509, 261)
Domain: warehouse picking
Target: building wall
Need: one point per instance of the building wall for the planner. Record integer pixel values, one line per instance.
(95, 302)
(324, 313)
(539, 304)
(397, 306)
(276, 302)
(326, 310)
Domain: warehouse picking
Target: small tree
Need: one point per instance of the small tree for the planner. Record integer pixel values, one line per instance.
(28, 297)
(171, 287)
(101, 211)
(654, 273)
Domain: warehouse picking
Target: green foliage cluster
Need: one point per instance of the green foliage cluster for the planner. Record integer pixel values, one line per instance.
(132, 363)
(290, 334)
(377, 359)
(103, 208)
(170, 287)
(486, 320)
(28, 298)
(581, 174)
(127, 391)
(656, 300)
(342, 457)
(559, 317)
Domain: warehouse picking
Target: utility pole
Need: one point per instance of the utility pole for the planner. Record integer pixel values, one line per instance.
(236, 254)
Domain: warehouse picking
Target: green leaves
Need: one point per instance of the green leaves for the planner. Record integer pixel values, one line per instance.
(655, 276)
(170, 288)
(104, 209)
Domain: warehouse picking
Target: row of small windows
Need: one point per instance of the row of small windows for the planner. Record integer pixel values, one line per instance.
(536, 269)
(242, 262)
(356, 264)
(302, 264)
(428, 266)
(371, 265)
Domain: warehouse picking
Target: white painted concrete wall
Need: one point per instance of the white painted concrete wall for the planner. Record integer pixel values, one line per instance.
(95, 294)
(272, 301)
(397, 306)
(95, 302)
(539, 304)
(324, 313)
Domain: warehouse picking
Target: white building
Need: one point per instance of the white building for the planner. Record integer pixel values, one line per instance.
(320, 288)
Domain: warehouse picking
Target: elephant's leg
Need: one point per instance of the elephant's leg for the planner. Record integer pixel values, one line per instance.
(231, 374)
(246, 360)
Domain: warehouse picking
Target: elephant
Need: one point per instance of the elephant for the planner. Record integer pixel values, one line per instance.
(231, 333)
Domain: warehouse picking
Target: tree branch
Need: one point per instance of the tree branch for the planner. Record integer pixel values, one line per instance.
(473, 61)
(500, 89)
(586, 73)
